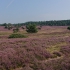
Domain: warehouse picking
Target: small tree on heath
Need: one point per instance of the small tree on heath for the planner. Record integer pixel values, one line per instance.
(31, 28)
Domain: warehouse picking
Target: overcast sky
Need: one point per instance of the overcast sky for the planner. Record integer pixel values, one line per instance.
(19, 11)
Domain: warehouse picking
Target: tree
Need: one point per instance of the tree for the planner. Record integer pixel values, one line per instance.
(5, 25)
(9, 26)
(31, 28)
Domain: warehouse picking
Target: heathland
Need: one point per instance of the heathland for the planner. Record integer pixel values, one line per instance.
(48, 49)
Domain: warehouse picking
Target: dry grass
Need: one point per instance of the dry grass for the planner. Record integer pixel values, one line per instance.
(55, 47)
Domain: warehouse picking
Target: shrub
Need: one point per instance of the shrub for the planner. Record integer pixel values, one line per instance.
(31, 28)
(17, 36)
(65, 50)
(56, 53)
(68, 28)
(15, 30)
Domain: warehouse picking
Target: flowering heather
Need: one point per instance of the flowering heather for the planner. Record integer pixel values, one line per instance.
(65, 50)
(2, 28)
(17, 52)
(32, 53)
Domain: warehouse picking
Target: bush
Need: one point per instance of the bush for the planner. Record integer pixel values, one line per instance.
(68, 28)
(15, 30)
(31, 28)
(17, 36)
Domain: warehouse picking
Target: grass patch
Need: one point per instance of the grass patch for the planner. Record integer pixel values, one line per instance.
(55, 50)
(56, 47)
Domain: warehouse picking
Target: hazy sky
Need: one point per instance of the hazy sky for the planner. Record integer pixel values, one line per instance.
(19, 11)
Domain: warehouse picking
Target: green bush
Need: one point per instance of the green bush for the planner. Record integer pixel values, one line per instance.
(68, 28)
(15, 30)
(17, 36)
(31, 28)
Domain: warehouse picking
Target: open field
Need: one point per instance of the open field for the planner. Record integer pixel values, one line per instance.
(49, 49)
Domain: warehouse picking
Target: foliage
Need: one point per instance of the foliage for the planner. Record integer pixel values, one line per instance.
(15, 30)
(17, 36)
(51, 23)
(31, 28)
(43, 23)
(68, 28)
(4, 24)
(8, 26)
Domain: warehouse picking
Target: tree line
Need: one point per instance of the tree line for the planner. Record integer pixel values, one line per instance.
(51, 23)
(42, 23)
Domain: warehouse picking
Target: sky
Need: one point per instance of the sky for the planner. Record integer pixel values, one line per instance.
(20, 11)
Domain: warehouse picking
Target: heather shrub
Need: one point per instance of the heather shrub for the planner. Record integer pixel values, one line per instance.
(39, 28)
(65, 65)
(17, 36)
(7, 58)
(65, 50)
(23, 28)
(56, 53)
(27, 67)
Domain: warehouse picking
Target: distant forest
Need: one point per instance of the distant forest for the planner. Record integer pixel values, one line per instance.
(44, 23)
